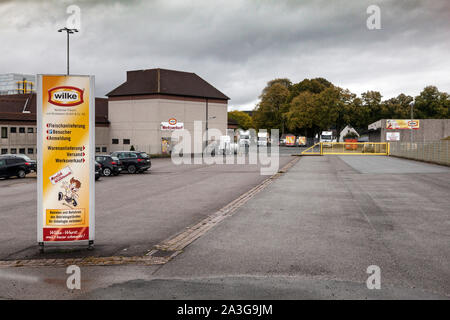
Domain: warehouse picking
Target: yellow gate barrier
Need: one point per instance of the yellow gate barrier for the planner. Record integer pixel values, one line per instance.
(356, 148)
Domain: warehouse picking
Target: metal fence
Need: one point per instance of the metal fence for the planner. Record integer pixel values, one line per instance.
(432, 151)
(352, 148)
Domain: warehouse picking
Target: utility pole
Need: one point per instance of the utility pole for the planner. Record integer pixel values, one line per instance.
(68, 31)
(206, 124)
(412, 118)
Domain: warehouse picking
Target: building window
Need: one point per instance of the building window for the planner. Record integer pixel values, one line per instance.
(126, 141)
(22, 150)
(4, 151)
(97, 149)
(13, 150)
(21, 130)
(30, 130)
(13, 130)
(30, 150)
(4, 132)
(115, 141)
(104, 149)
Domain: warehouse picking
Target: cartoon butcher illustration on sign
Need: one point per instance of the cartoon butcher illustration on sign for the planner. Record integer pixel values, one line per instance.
(70, 193)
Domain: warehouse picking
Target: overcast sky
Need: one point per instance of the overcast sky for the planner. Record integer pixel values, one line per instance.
(237, 46)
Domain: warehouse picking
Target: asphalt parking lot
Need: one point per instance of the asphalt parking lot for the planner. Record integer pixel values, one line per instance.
(133, 212)
(311, 234)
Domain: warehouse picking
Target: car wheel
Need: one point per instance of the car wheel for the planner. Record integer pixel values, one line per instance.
(106, 172)
(131, 169)
(21, 173)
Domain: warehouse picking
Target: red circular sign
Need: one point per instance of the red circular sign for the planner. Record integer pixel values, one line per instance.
(172, 121)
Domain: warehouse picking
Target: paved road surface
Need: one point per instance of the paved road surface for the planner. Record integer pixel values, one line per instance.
(314, 232)
(310, 234)
(133, 212)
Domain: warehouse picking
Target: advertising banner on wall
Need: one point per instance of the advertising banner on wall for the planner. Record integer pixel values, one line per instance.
(392, 136)
(172, 124)
(66, 167)
(402, 124)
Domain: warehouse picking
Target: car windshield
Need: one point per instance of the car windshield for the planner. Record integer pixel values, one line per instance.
(27, 158)
(23, 156)
(115, 158)
(144, 155)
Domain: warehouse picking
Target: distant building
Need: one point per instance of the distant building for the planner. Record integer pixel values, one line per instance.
(16, 83)
(150, 104)
(345, 131)
(386, 130)
(143, 112)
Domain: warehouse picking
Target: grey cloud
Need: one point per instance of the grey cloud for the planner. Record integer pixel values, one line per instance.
(238, 45)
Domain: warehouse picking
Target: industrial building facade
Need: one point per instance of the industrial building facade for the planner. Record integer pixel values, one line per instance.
(145, 109)
(142, 112)
(422, 130)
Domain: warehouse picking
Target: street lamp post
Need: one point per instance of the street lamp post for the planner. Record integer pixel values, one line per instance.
(412, 118)
(68, 31)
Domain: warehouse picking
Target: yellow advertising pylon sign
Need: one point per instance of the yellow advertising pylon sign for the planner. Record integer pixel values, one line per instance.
(66, 166)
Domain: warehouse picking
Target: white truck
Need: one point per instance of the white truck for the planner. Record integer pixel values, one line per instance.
(263, 138)
(244, 138)
(326, 137)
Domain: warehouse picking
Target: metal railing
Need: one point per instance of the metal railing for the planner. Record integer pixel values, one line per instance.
(432, 151)
(352, 148)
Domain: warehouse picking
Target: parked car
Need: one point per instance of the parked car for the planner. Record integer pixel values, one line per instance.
(33, 164)
(133, 161)
(110, 165)
(98, 170)
(14, 167)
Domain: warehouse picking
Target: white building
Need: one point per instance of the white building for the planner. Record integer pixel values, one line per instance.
(141, 109)
(15, 83)
(346, 130)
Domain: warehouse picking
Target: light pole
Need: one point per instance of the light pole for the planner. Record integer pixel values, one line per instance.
(68, 31)
(206, 125)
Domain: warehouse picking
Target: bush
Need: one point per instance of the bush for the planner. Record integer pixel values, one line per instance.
(351, 135)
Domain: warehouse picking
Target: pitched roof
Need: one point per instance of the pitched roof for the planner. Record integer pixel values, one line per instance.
(169, 82)
(12, 106)
(16, 103)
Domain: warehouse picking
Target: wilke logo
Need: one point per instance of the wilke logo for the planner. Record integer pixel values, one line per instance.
(65, 96)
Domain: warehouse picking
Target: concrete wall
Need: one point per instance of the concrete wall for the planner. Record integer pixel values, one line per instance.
(102, 139)
(429, 130)
(139, 120)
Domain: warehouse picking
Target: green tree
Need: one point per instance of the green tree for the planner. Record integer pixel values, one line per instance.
(396, 108)
(243, 119)
(316, 85)
(431, 103)
(366, 109)
(269, 111)
(315, 112)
